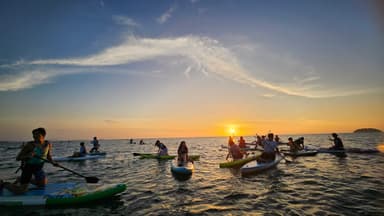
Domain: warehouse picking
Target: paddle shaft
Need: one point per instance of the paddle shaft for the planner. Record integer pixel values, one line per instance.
(287, 161)
(65, 168)
(88, 179)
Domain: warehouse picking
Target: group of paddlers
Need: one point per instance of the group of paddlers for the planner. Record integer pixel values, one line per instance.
(269, 146)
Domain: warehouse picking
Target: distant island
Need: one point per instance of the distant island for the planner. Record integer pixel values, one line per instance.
(367, 130)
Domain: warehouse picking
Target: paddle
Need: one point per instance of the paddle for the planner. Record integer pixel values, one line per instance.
(286, 161)
(87, 179)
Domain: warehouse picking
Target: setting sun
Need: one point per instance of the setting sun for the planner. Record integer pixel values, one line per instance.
(232, 131)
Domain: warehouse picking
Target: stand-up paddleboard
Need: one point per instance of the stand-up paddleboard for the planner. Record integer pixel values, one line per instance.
(61, 194)
(237, 163)
(349, 150)
(185, 168)
(242, 149)
(256, 167)
(301, 153)
(80, 158)
(164, 157)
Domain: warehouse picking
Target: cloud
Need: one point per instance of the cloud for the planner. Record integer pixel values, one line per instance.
(187, 71)
(109, 121)
(126, 21)
(166, 16)
(200, 54)
(28, 79)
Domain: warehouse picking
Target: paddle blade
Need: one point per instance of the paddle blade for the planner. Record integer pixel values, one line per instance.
(92, 180)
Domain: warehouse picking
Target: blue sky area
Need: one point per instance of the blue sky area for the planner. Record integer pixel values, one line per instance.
(143, 68)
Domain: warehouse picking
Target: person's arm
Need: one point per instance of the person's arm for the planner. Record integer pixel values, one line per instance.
(49, 155)
(229, 154)
(26, 152)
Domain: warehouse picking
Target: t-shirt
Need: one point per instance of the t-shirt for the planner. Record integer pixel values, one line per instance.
(338, 143)
(270, 146)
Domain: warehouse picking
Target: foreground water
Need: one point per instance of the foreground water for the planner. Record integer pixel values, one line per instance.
(321, 185)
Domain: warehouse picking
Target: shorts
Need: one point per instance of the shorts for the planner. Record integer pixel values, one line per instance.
(268, 156)
(35, 170)
(163, 152)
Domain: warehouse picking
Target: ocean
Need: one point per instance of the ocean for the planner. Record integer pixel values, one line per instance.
(319, 185)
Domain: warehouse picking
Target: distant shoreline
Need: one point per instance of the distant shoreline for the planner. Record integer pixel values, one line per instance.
(367, 130)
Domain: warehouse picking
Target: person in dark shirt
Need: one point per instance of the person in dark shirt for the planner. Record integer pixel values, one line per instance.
(337, 142)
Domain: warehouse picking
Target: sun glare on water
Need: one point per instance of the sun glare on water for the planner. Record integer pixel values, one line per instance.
(381, 147)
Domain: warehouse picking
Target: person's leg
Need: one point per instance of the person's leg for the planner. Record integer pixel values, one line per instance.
(20, 186)
(40, 178)
(16, 188)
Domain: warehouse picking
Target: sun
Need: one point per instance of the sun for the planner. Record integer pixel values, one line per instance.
(232, 131)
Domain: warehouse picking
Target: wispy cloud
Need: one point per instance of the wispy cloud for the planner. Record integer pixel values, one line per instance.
(23, 80)
(109, 121)
(166, 16)
(126, 21)
(201, 54)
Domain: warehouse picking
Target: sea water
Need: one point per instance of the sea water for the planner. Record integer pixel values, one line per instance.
(319, 185)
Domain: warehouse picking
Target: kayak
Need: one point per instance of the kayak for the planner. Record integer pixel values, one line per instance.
(348, 150)
(164, 157)
(86, 157)
(61, 194)
(237, 163)
(182, 169)
(255, 167)
(301, 153)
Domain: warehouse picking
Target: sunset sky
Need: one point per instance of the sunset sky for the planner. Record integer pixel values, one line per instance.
(122, 69)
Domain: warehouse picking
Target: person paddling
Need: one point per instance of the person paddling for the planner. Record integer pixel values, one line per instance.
(296, 145)
(270, 150)
(182, 153)
(163, 150)
(338, 143)
(82, 152)
(96, 145)
(33, 154)
(242, 143)
(234, 151)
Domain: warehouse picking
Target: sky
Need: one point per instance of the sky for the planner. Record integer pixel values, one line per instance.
(189, 68)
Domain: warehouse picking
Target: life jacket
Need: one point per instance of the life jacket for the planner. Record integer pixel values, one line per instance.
(41, 152)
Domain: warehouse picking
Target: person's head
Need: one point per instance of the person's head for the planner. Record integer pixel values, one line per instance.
(38, 134)
(182, 143)
(82, 144)
(290, 139)
(270, 136)
(334, 135)
(95, 138)
(157, 143)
